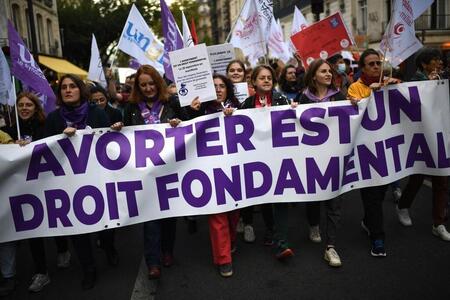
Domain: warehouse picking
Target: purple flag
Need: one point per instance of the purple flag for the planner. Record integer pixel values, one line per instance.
(25, 68)
(134, 64)
(172, 37)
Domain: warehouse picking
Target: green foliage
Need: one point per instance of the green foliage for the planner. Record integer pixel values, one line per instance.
(79, 19)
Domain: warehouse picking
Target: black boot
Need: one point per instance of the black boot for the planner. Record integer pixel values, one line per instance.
(89, 279)
(7, 286)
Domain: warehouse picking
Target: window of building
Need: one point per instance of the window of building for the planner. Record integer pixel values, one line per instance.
(342, 6)
(442, 21)
(363, 14)
(50, 39)
(40, 32)
(17, 20)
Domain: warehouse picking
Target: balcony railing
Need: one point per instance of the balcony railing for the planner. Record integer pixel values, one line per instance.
(433, 22)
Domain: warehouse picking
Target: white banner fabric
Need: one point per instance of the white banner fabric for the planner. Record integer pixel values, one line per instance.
(103, 179)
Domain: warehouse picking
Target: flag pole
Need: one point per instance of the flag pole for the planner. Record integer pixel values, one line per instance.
(15, 107)
(235, 22)
(9, 114)
(382, 66)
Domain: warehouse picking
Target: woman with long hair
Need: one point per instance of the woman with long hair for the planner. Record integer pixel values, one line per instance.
(31, 118)
(320, 87)
(222, 226)
(76, 112)
(149, 104)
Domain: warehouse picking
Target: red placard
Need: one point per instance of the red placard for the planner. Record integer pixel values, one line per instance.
(322, 39)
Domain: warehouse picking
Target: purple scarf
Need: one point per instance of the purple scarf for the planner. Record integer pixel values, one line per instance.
(75, 117)
(327, 97)
(150, 116)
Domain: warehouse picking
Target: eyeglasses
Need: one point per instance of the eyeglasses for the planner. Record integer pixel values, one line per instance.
(373, 63)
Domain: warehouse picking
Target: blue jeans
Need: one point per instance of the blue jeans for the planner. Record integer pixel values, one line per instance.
(8, 259)
(159, 237)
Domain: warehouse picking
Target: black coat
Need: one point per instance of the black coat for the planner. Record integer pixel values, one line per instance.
(31, 127)
(55, 123)
(114, 115)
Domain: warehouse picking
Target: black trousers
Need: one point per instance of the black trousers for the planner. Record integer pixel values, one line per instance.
(372, 199)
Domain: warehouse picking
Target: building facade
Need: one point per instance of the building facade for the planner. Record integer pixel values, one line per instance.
(367, 20)
(46, 24)
(220, 20)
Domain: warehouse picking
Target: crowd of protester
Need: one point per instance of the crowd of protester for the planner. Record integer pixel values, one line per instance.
(148, 98)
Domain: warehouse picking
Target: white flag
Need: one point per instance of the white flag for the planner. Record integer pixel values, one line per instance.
(275, 43)
(96, 73)
(399, 41)
(265, 10)
(298, 24)
(187, 37)
(138, 41)
(247, 34)
(7, 95)
(419, 6)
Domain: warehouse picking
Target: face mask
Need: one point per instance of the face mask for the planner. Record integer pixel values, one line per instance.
(342, 68)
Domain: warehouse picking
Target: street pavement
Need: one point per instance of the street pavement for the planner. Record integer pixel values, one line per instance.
(417, 265)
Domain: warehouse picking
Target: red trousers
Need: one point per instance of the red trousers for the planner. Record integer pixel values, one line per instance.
(222, 231)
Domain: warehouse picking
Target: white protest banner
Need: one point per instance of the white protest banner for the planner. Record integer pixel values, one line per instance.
(216, 163)
(192, 74)
(220, 56)
(241, 91)
(96, 73)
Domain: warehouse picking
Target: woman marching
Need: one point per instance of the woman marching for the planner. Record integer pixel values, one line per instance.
(320, 87)
(149, 104)
(263, 79)
(75, 112)
(222, 227)
(31, 124)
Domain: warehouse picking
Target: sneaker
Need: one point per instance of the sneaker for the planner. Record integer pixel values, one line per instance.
(403, 216)
(283, 252)
(249, 234)
(154, 272)
(441, 232)
(364, 227)
(240, 226)
(268, 238)
(378, 249)
(314, 234)
(63, 260)
(226, 270)
(397, 194)
(332, 257)
(38, 282)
